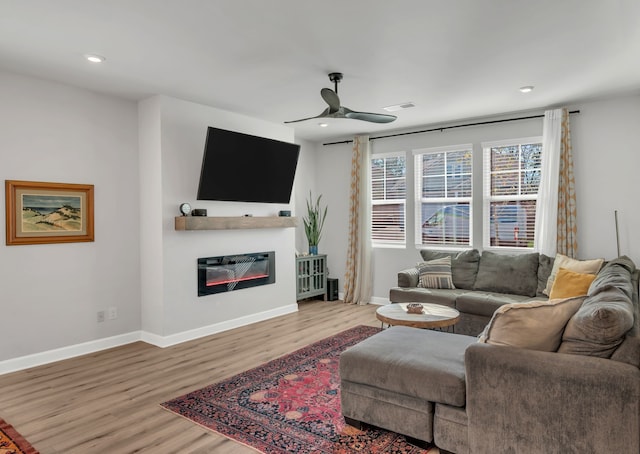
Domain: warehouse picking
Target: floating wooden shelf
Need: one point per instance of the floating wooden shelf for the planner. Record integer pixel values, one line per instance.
(234, 222)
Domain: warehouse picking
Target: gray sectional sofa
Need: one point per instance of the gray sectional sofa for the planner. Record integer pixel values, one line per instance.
(483, 283)
(465, 396)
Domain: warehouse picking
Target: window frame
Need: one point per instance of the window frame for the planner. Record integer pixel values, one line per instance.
(418, 199)
(487, 198)
(378, 243)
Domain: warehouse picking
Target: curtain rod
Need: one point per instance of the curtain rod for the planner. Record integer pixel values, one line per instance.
(442, 128)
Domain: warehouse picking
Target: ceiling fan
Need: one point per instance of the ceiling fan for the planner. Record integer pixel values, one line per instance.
(335, 110)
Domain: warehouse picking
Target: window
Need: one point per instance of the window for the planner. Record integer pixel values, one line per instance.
(511, 182)
(443, 195)
(388, 195)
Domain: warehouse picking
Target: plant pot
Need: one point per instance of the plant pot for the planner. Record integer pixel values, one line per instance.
(313, 250)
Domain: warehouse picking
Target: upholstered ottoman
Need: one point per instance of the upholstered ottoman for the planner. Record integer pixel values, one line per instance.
(393, 379)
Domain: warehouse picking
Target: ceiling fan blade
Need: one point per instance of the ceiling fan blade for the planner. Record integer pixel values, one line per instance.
(369, 116)
(335, 110)
(331, 98)
(324, 113)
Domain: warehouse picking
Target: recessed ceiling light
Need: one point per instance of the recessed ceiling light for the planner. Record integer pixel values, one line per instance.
(93, 58)
(526, 89)
(323, 125)
(396, 107)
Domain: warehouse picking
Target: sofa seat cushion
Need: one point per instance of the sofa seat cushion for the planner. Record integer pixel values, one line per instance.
(486, 303)
(409, 361)
(446, 297)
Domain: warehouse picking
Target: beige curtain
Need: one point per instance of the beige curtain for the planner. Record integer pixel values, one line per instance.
(358, 274)
(567, 234)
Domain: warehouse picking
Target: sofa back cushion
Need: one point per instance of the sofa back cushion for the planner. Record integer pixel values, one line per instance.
(607, 314)
(629, 350)
(545, 265)
(464, 265)
(502, 273)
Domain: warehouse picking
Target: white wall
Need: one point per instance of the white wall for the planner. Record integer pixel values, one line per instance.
(50, 293)
(178, 152)
(606, 145)
(605, 139)
(305, 181)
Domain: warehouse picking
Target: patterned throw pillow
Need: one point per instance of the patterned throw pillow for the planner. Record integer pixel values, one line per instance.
(435, 273)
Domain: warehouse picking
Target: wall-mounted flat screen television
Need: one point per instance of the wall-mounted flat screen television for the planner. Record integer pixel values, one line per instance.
(244, 168)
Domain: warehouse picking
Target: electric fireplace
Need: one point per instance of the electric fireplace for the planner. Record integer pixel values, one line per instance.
(234, 272)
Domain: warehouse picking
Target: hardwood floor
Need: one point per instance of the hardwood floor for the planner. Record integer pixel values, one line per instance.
(109, 401)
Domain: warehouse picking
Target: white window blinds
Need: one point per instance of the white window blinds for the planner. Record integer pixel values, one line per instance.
(443, 183)
(388, 195)
(511, 179)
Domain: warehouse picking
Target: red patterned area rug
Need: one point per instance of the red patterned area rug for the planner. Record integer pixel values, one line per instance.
(11, 442)
(290, 405)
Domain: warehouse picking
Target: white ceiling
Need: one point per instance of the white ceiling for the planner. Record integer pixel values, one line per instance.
(455, 59)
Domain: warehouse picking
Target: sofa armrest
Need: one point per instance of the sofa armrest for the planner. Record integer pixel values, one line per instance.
(529, 401)
(408, 278)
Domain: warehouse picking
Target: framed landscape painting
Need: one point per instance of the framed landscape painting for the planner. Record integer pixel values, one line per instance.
(39, 213)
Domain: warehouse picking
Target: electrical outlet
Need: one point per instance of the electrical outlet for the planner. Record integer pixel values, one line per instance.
(100, 316)
(112, 312)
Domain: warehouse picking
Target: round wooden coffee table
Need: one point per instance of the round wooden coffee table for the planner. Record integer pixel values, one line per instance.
(433, 316)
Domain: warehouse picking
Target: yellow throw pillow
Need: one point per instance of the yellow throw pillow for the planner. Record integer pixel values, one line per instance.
(568, 284)
(578, 266)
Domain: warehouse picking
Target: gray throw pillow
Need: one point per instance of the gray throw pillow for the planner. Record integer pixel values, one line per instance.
(599, 326)
(502, 273)
(464, 265)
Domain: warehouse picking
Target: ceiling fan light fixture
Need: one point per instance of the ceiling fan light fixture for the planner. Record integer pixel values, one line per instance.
(401, 106)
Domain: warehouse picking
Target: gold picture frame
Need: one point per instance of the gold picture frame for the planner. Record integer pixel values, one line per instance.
(40, 213)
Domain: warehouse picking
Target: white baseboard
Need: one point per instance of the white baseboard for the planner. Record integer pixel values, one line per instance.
(379, 301)
(167, 341)
(59, 354)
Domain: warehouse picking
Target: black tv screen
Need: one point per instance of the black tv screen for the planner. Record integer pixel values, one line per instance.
(244, 168)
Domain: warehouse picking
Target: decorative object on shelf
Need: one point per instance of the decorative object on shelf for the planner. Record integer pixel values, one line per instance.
(284, 213)
(414, 308)
(199, 212)
(314, 222)
(40, 213)
(185, 209)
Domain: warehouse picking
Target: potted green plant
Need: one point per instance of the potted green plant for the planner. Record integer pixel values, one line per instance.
(314, 222)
